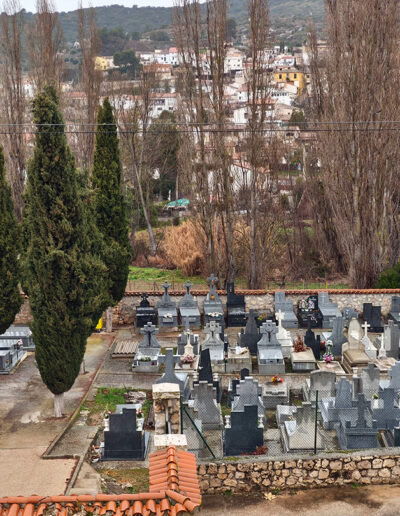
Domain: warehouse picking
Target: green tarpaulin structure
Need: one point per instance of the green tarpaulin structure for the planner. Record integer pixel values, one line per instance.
(180, 203)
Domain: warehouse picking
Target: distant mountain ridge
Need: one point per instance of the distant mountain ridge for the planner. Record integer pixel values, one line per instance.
(143, 19)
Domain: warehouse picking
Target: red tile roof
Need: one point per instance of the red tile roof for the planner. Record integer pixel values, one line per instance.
(174, 490)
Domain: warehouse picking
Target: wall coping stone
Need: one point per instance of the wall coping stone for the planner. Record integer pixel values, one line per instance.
(270, 292)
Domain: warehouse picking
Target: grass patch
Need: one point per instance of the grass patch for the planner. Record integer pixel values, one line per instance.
(138, 478)
(107, 398)
(152, 274)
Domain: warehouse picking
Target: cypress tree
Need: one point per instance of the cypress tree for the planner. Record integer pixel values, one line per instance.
(111, 213)
(10, 298)
(65, 275)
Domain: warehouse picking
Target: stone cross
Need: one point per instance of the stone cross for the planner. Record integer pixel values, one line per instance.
(269, 328)
(188, 350)
(366, 326)
(382, 350)
(148, 330)
(212, 280)
(169, 359)
(361, 407)
(166, 286)
(212, 329)
(187, 287)
(280, 316)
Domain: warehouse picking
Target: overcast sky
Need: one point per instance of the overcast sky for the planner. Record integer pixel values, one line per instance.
(71, 5)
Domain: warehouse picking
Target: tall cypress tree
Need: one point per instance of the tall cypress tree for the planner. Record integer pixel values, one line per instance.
(65, 278)
(10, 298)
(111, 213)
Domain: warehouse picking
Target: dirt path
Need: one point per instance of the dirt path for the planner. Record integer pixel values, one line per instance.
(344, 501)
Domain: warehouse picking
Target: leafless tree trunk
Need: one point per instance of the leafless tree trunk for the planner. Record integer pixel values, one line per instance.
(44, 38)
(359, 151)
(91, 79)
(13, 98)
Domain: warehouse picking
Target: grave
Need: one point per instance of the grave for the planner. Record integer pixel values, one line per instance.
(283, 336)
(369, 348)
(189, 309)
(354, 357)
(341, 403)
(248, 393)
(123, 440)
(289, 319)
(206, 373)
(284, 413)
(336, 337)
(392, 339)
(394, 313)
(205, 406)
(19, 333)
(358, 430)
(188, 337)
(349, 314)
(331, 367)
(274, 394)
(297, 435)
(146, 359)
(385, 410)
(189, 360)
(369, 381)
(270, 357)
(145, 313)
(167, 314)
(328, 310)
(214, 343)
(212, 307)
(237, 359)
(170, 376)
(311, 342)
(11, 353)
(309, 308)
(251, 335)
(303, 361)
(394, 378)
(233, 383)
(243, 431)
(321, 381)
(372, 314)
(236, 307)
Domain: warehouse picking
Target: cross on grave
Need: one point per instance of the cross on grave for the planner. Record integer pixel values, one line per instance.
(166, 286)
(213, 329)
(144, 301)
(366, 326)
(362, 405)
(187, 287)
(279, 317)
(149, 331)
(212, 280)
(169, 359)
(269, 328)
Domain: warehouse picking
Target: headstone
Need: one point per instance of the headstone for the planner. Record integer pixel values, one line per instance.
(206, 373)
(376, 320)
(328, 310)
(349, 314)
(369, 348)
(213, 342)
(394, 313)
(167, 314)
(298, 435)
(213, 309)
(311, 342)
(385, 410)
(358, 431)
(367, 312)
(185, 337)
(355, 334)
(309, 308)
(337, 337)
(244, 373)
(283, 336)
(236, 307)
(145, 313)
(270, 357)
(394, 339)
(169, 376)
(248, 392)
(244, 433)
(251, 336)
(394, 378)
(274, 394)
(189, 309)
(369, 381)
(321, 381)
(340, 404)
(123, 441)
(205, 405)
(289, 317)
(146, 359)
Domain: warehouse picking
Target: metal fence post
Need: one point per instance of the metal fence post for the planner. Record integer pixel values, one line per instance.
(316, 422)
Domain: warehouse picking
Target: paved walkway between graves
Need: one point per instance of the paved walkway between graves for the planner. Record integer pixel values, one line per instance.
(28, 427)
(333, 501)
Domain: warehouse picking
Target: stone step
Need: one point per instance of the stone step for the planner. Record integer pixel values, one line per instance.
(87, 482)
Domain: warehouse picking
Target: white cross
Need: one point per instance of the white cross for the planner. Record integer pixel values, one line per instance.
(366, 326)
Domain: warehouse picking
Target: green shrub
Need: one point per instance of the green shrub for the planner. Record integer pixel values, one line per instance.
(390, 278)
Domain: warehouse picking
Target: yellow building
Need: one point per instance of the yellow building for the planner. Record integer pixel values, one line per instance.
(290, 76)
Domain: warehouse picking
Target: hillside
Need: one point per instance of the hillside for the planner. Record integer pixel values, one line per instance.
(284, 13)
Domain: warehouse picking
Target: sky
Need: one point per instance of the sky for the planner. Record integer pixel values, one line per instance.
(71, 5)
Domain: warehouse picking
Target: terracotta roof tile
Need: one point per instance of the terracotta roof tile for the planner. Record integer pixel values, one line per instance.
(174, 490)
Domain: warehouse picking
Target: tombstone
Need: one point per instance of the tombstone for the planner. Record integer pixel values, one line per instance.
(309, 308)
(244, 432)
(244, 373)
(341, 403)
(11, 353)
(275, 394)
(354, 356)
(289, 319)
(358, 430)
(394, 313)
(213, 342)
(232, 390)
(189, 309)
(283, 336)
(328, 310)
(169, 376)
(146, 359)
(19, 333)
(394, 378)
(249, 392)
(369, 348)
(311, 342)
(251, 335)
(205, 405)
(145, 313)
(369, 381)
(236, 307)
(167, 314)
(393, 340)
(270, 357)
(336, 337)
(206, 373)
(321, 381)
(349, 314)
(212, 307)
(297, 435)
(354, 335)
(188, 337)
(385, 410)
(123, 441)
(376, 320)
(367, 312)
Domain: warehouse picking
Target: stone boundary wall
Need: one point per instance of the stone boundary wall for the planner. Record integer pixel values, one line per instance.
(258, 474)
(124, 312)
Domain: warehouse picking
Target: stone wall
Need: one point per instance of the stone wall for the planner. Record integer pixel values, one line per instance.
(318, 471)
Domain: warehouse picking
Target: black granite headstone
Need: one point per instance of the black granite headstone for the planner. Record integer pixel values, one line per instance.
(243, 373)
(145, 313)
(244, 435)
(376, 324)
(206, 374)
(251, 335)
(367, 312)
(123, 441)
(236, 307)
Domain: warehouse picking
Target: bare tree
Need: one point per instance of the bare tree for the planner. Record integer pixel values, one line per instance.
(44, 37)
(354, 97)
(91, 80)
(13, 98)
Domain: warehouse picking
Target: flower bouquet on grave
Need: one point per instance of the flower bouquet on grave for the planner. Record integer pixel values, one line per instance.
(328, 357)
(168, 316)
(139, 413)
(145, 359)
(188, 359)
(299, 345)
(302, 304)
(276, 379)
(106, 414)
